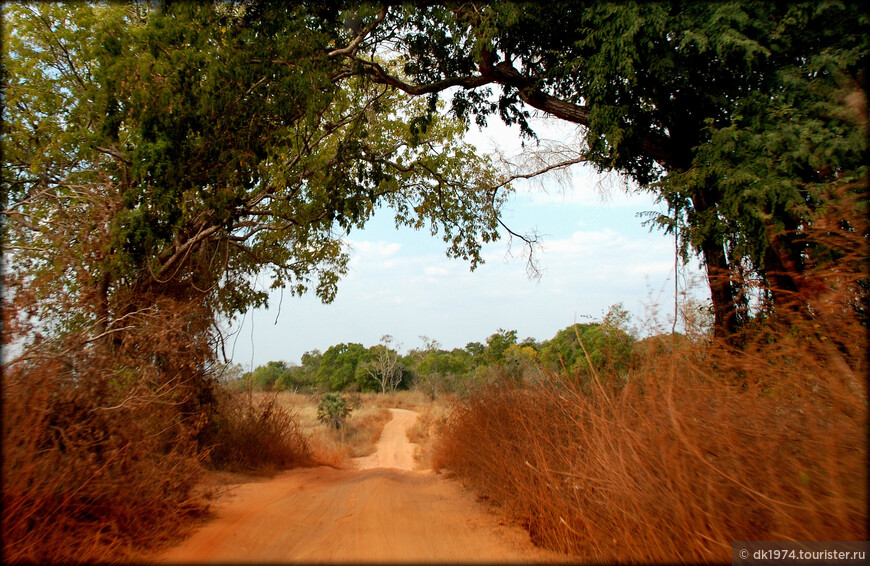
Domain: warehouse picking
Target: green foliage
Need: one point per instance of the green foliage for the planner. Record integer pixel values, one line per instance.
(265, 377)
(745, 118)
(497, 344)
(339, 367)
(609, 345)
(181, 150)
(437, 370)
(333, 410)
(434, 370)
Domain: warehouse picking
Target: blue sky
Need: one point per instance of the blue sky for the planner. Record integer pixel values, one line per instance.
(595, 253)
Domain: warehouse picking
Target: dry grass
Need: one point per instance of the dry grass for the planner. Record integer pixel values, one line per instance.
(362, 431)
(256, 435)
(425, 432)
(100, 450)
(701, 447)
(104, 444)
(700, 444)
(413, 400)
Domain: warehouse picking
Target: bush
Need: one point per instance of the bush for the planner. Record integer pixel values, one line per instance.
(705, 446)
(332, 410)
(99, 456)
(256, 435)
(103, 443)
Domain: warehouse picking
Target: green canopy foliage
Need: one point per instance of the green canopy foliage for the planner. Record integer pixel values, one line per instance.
(747, 118)
(342, 365)
(182, 150)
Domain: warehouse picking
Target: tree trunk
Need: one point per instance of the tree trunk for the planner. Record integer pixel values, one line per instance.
(721, 289)
(783, 287)
(719, 272)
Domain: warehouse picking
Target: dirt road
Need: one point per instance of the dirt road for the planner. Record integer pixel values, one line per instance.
(383, 512)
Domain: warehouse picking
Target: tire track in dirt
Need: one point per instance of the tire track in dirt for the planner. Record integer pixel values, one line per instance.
(383, 512)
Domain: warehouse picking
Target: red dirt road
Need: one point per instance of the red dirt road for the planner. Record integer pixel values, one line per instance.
(383, 512)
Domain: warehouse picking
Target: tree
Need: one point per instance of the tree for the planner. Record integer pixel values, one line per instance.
(746, 118)
(497, 344)
(385, 365)
(158, 156)
(268, 376)
(332, 410)
(341, 366)
(438, 370)
(608, 343)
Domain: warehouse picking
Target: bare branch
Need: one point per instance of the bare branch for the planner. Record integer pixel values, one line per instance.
(539, 172)
(351, 47)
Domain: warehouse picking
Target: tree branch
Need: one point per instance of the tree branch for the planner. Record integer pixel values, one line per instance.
(655, 145)
(351, 47)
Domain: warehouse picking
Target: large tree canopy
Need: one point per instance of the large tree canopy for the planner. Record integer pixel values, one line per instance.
(744, 117)
(179, 151)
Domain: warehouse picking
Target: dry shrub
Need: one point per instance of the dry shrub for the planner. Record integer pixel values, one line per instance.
(431, 421)
(100, 450)
(325, 447)
(357, 438)
(104, 438)
(701, 443)
(256, 435)
(703, 446)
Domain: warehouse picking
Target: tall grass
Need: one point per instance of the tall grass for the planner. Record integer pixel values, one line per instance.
(88, 480)
(104, 444)
(702, 446)
(701, 442)
(256, 435)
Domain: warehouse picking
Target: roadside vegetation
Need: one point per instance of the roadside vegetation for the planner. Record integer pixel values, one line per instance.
(102, 454)
(694, 446)
(360, 431)
(695, 442)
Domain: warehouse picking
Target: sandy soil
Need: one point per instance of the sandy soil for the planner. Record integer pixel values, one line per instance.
(383, 512)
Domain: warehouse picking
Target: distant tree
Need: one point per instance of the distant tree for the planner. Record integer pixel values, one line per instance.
(295, 378)
(310, 366)
(475, 350)
(521, 362)
(438, 370)
(384, 365)
(338, 366)
(497, 344)
(265, 377)
(608, 343)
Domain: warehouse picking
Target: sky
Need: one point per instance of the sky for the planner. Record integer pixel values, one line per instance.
(595, 252)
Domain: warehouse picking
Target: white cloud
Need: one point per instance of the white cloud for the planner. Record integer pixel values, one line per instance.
(436, 271)
(366, 248)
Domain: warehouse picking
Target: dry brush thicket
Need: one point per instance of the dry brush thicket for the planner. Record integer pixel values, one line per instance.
(104, 442)
(701, 443)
